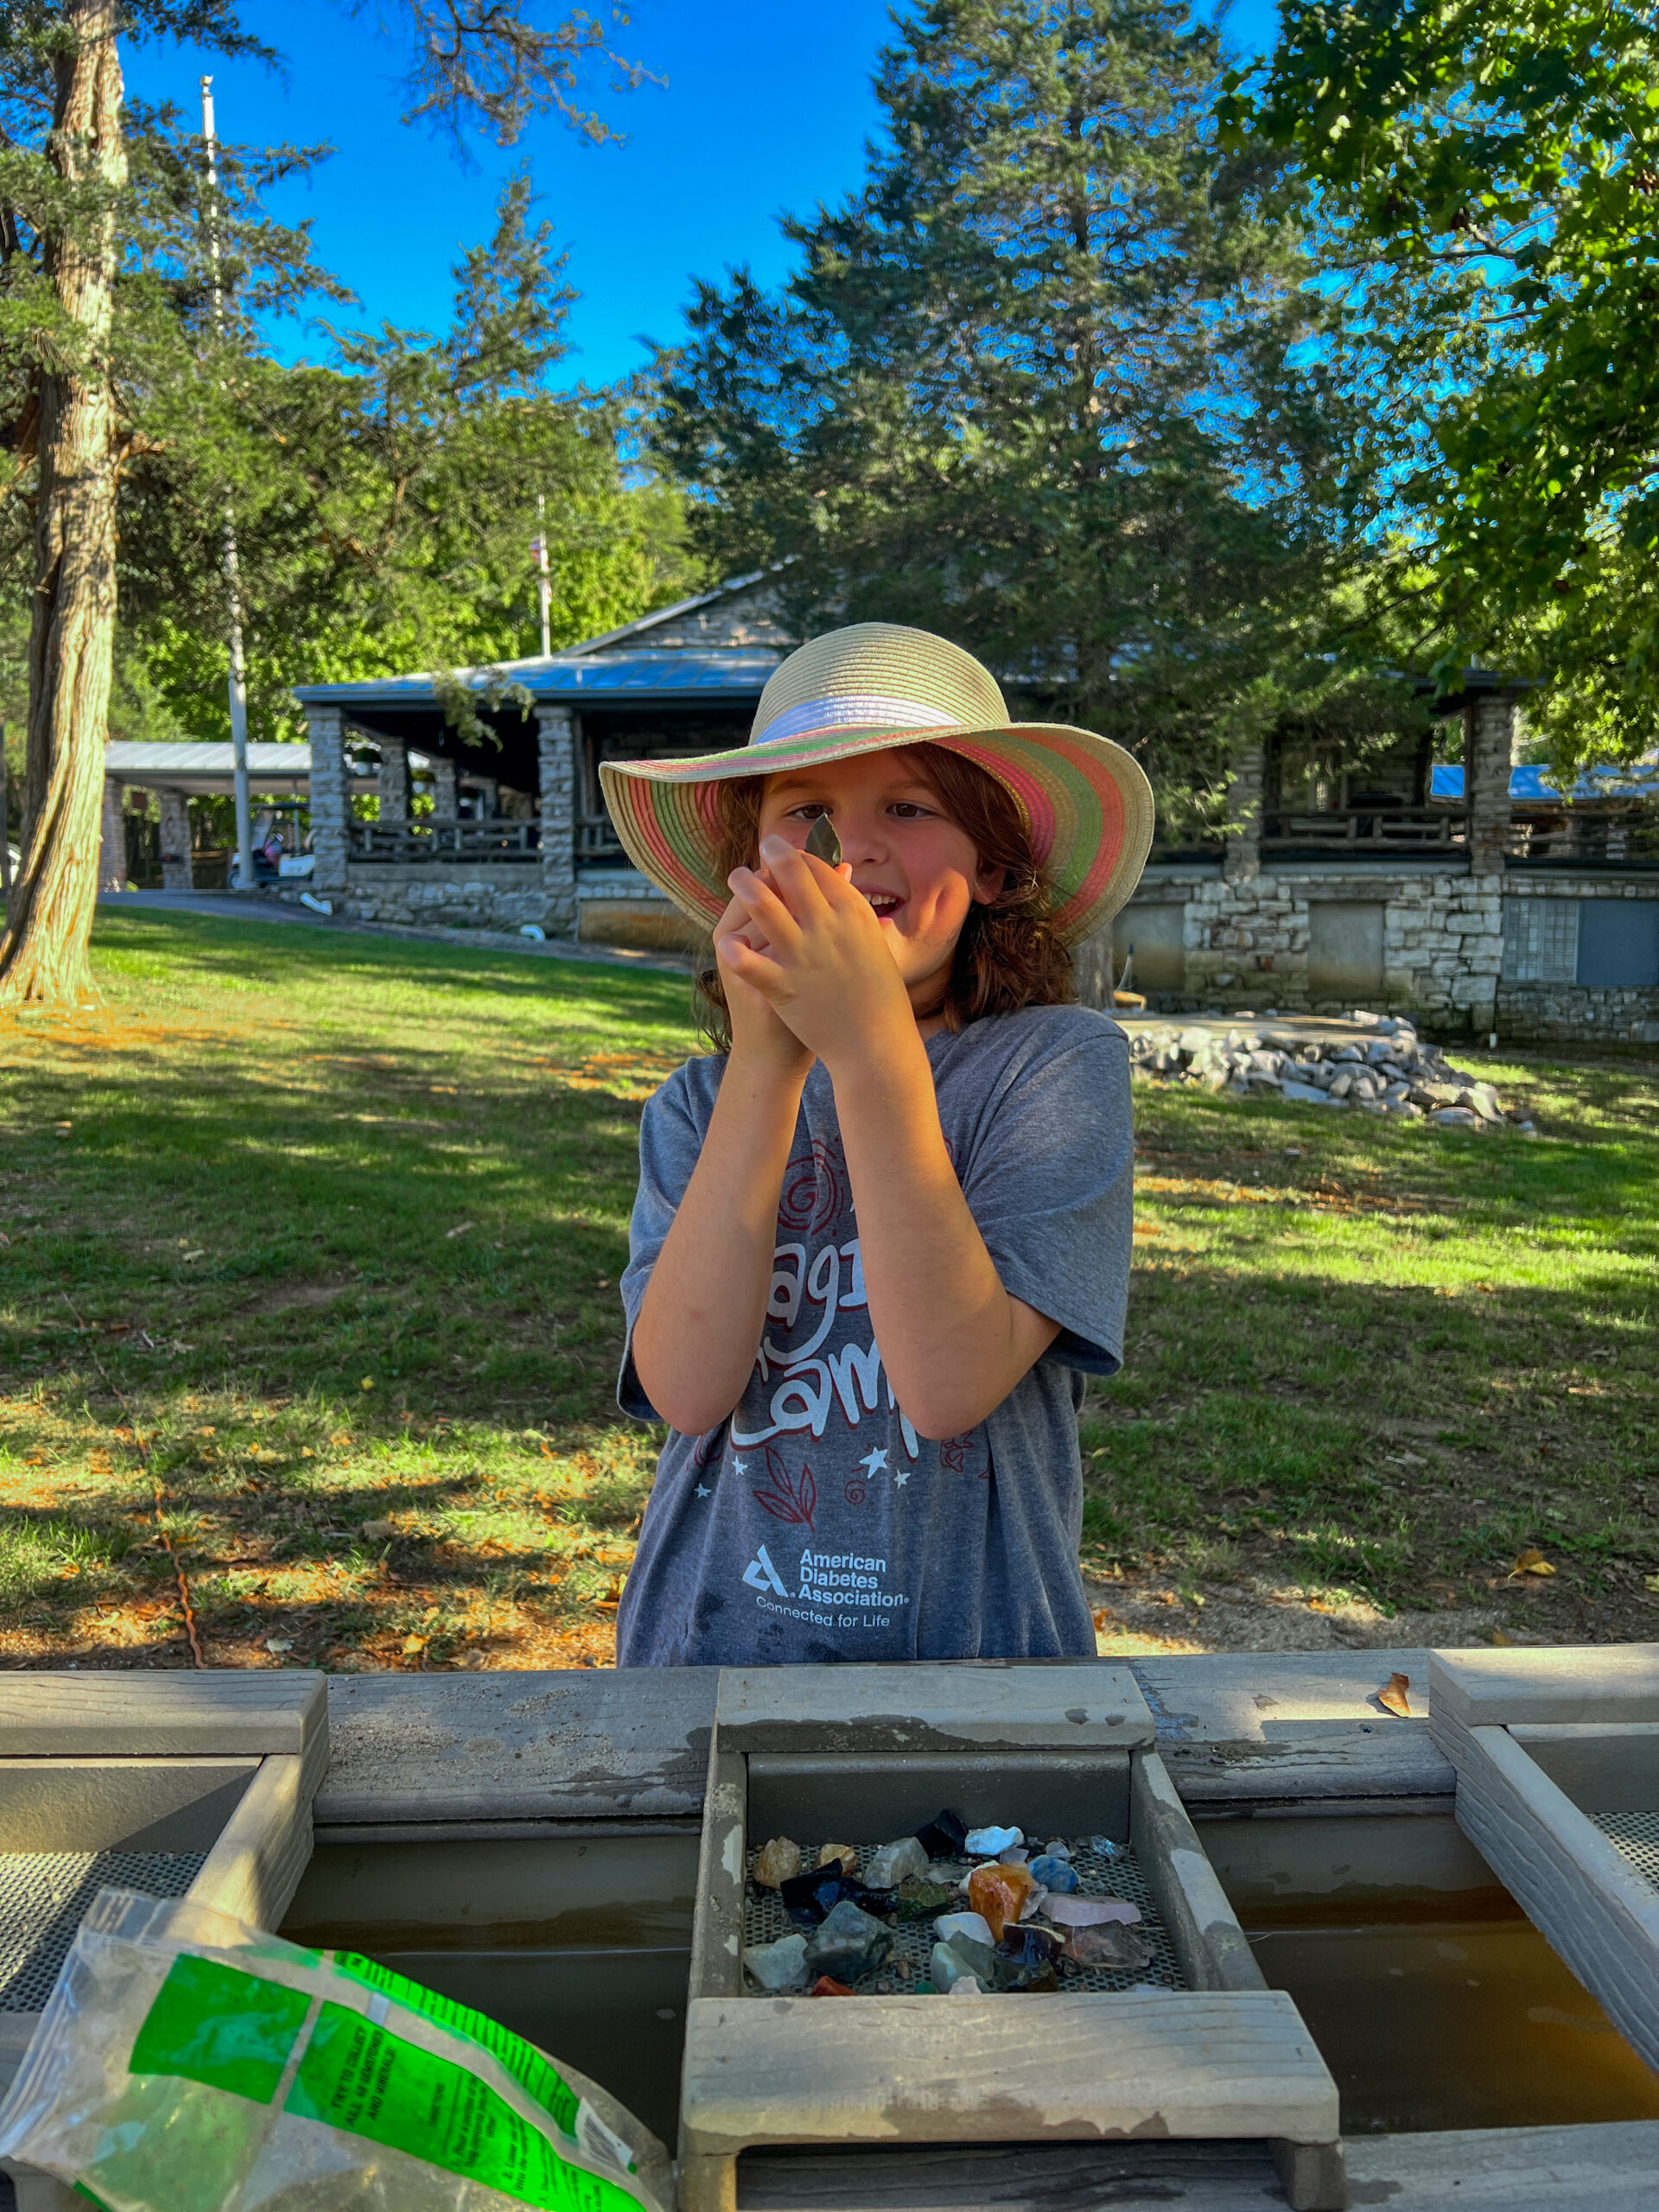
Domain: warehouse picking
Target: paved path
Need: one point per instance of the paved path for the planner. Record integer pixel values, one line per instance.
(231, 905)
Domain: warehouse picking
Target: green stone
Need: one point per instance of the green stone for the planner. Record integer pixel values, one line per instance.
(918, 1900)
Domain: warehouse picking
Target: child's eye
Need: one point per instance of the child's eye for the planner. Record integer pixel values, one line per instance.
(809, 810)
(908, 811)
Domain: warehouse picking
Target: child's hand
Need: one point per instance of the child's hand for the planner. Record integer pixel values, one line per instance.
(825, 969)
(758, 1033)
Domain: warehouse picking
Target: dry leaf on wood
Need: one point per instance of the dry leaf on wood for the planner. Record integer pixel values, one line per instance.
(1392, 1696)
(1504, 1643)
(1531, 1563)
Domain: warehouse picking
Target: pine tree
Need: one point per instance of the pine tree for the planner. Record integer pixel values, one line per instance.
(1046, 385)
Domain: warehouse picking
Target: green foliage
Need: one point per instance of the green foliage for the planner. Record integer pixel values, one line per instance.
(1047, 383)
(1488, 173)
(385, 504)
(383, 499)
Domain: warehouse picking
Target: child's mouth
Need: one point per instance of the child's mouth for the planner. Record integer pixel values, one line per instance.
(885, 904)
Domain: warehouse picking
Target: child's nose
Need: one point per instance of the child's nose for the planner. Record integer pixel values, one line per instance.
(863, 835)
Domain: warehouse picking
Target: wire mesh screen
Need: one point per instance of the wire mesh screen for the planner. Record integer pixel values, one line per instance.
(44, 1894)
(1637, 1835)
(905, 1972)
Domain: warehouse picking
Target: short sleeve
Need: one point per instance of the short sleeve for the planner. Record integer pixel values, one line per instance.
(671, 1137)
(1050, 1185)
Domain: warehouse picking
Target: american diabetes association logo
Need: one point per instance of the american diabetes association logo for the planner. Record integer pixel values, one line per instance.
(833, 1589)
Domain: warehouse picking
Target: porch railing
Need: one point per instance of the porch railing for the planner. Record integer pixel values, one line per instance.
(425, 838)
(1367, 829)
(1585, 840)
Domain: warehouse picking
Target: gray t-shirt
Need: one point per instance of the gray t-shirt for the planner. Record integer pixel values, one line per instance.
(815, 1525)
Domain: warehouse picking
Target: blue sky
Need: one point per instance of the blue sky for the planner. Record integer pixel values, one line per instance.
(765, 108)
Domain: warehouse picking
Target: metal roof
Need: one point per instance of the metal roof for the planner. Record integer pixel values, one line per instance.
(1530, 785)
(210, 767)
(708, 676)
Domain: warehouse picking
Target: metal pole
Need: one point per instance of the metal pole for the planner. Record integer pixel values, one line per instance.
(543, 587)
(238, 686)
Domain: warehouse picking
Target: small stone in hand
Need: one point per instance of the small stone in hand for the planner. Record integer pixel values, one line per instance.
(823, 843)
(776, 1861)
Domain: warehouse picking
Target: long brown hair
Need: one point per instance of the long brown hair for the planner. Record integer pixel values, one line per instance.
(1007, 955)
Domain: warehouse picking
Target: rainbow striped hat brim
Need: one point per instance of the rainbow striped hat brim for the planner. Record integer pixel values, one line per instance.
(1087, 804)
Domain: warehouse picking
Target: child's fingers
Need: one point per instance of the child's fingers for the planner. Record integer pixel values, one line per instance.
(750, 967)
(801, 878)
(774, 917)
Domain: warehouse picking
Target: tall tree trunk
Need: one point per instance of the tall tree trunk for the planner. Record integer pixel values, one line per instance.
(43, 952)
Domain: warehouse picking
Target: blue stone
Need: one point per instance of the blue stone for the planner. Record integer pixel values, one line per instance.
(1054, 1874)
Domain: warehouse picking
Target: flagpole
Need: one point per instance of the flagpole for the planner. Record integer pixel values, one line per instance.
(238, 682)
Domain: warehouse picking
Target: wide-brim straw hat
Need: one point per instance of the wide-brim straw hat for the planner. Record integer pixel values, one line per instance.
(1087, 805)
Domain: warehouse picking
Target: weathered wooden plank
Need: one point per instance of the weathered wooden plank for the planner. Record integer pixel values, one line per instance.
(1279, 1727)
(965, 1705)
(1596, 1910)
(1208, 1941)
(222, 1712)
(1603, 2168)
(578, 1745)
(1576, 1683)
(255, 1867)
(875, 2069)
(1288, 1727)
(722, 1863)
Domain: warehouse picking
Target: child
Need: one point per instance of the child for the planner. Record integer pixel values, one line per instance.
(881, 1237)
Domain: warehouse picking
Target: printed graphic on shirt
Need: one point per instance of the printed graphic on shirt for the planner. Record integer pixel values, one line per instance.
(817, 1380)
(838, 1590)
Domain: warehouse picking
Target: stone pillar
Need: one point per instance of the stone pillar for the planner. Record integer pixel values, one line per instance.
(112, 846)
(1241, 852)
(177, 873)
(1488, 744)
(557, 743)
(443, 789)
(330, 804)
(393, 780)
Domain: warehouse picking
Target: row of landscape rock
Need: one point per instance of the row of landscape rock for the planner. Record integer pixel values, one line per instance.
(1386, 1070)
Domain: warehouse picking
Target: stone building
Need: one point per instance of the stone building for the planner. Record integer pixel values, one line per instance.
(1385, 887)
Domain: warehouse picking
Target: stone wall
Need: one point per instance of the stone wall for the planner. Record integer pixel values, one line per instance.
(1561, 1011)
(477, 896)
(1425, 941)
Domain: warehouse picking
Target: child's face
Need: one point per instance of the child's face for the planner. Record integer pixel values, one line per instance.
(917, 869)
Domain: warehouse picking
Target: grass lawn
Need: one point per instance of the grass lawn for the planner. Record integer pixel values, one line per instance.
(308, 1248)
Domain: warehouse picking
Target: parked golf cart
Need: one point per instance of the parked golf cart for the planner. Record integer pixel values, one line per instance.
(279, 846)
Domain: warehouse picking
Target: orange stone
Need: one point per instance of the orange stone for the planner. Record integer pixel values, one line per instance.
(827, 1985)
(999, 1893)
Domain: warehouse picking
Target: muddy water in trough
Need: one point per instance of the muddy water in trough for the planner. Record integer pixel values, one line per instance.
(1434, 2001)
(581, 1945)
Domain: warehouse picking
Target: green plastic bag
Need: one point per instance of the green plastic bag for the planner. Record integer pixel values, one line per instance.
(187, 2064)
